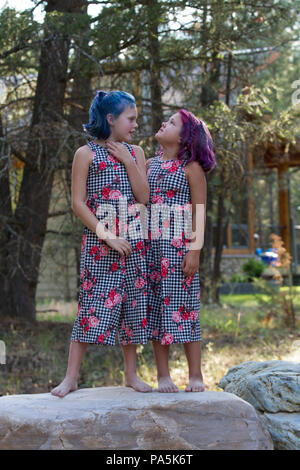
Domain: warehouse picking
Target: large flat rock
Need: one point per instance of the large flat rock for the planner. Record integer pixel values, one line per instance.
(120, 418)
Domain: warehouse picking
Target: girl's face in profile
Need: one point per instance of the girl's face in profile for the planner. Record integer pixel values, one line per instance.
(170, 131)
(124, 126)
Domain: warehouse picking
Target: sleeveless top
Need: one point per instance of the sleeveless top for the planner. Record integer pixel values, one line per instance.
(113, 288)
(173, 298)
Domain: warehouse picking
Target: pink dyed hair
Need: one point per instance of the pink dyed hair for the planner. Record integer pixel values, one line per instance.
(196, 142)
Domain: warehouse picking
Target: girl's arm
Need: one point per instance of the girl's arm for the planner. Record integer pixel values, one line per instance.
(136, 171)
(81, 163)
(142, 187)
(198, 189)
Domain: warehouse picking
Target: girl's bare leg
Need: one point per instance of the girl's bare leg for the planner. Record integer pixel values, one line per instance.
(69, 384)
(161, 353)
(193, 355)
(131, 379)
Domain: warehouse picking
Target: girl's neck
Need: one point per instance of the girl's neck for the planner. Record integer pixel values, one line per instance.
(103, 142)
(169, 153)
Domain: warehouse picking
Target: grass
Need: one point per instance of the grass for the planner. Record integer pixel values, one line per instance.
(37, 353)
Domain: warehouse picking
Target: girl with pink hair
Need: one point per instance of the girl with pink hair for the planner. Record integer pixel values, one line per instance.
(177, 183)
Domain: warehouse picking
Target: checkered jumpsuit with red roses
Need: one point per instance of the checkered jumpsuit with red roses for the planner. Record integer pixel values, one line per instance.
(113, 288)
(173, 298)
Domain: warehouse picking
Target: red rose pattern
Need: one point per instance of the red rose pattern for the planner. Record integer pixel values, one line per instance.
(150, 280)
(113, 289)
(174, 299)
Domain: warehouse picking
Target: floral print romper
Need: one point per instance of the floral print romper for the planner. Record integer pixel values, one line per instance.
(173, 298)
(113, 288)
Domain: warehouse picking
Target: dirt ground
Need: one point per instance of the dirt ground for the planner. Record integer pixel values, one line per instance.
(37, 355)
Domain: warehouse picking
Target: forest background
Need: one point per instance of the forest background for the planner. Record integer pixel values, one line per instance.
(235, 64)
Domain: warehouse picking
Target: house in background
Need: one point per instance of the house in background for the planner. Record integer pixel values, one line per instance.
(247, 233)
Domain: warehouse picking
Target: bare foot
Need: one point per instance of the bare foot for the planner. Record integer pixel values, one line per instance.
(165, 385)
(195, 385)
(137, 384)
(66, 386)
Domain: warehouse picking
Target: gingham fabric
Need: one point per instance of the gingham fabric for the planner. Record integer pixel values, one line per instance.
(113, 288)
(173, 298)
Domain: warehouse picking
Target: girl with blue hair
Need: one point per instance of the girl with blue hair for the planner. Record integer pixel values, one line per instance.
(109, 180)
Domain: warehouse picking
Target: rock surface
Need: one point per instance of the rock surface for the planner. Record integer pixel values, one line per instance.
(273, 388)
(120, 418)
(269, 386)
(284, 429)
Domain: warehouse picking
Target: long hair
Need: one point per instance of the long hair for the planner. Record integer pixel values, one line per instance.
(196, 142)
(113, 102)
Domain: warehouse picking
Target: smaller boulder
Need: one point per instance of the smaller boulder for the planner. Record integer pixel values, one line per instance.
(284, 429)
(273, 388)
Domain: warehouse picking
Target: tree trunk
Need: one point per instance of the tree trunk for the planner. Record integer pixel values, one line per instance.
(208, 96)
(216, 279)
(221, 212)
(80, 100)
(205, 272)
(153, 9)
(26, 228)
(6, 215)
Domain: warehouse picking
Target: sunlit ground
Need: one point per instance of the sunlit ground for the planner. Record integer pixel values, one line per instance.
(235, 332)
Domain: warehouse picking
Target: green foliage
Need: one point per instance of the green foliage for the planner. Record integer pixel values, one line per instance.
(280, 127)
(253, 268)
(67, 24)
(237, 277)
(276, 303)
(19, 35)
(193, 64)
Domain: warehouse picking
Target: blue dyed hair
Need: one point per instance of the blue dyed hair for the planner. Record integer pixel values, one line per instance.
(113, 102)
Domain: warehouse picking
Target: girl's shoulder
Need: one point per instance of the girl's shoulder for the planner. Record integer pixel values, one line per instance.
(136, 148)
(135, 151)
(194, 173)
(194, 167)
(84, 155)
(149, 160)
(139, 152)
